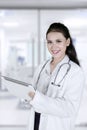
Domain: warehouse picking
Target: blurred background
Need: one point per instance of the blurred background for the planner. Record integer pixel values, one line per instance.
(23, 26)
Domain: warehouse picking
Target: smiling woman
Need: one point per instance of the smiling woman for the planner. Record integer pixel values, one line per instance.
(58, 104)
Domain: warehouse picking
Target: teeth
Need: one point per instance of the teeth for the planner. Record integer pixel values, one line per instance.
(55, 52)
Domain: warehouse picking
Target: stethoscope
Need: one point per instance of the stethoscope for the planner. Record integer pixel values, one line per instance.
(62, 79)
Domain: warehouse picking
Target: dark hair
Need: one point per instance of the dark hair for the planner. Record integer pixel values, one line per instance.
(70, 51)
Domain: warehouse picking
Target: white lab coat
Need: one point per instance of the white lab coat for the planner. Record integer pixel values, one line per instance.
(59, 106)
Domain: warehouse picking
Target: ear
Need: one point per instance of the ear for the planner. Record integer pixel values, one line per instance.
(68, 41)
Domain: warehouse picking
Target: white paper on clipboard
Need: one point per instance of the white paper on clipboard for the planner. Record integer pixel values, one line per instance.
(18, 88)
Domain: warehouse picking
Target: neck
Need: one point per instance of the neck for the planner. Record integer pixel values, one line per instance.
(55, 61)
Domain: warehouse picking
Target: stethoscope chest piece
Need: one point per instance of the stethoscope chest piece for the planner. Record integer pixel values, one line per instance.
(58, 85)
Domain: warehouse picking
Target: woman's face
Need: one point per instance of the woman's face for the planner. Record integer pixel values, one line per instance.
(57, 44)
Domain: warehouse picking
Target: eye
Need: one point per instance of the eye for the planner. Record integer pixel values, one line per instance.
(58, 41)
(49, 42)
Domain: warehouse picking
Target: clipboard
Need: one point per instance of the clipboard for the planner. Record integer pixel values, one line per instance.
(18, 88)
(15, 81)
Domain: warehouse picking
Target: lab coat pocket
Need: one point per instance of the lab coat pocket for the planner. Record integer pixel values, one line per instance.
(53, 91)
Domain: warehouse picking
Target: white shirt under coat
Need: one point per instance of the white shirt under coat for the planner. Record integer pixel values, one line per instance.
(58, 105)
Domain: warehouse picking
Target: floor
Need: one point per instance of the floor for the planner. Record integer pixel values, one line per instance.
(14, 114)
(22, 128)
(13, 128)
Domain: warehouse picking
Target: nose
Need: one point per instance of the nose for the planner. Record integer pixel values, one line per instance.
(54, 45)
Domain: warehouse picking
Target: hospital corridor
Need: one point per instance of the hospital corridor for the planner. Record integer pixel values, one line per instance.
(23, 27)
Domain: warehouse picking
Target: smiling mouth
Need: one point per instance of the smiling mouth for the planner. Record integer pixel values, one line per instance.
(55, 51)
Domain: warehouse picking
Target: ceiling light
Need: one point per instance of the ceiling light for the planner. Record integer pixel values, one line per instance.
(10, 24)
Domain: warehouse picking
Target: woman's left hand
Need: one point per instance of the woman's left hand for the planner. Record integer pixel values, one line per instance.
(31, 94)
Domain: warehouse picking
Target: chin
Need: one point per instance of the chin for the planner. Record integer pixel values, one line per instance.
(58, 56)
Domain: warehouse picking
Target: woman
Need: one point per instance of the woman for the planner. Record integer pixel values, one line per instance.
(58, 83)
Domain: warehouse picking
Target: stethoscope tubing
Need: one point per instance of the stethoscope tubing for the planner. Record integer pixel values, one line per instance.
(54, 82)
(41, 71)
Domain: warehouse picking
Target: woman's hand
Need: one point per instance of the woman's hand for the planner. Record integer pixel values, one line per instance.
(31, 94)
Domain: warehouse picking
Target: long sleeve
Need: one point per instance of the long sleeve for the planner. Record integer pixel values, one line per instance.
(64, 106)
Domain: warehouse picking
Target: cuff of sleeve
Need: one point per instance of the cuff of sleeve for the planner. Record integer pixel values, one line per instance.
(35, 99)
